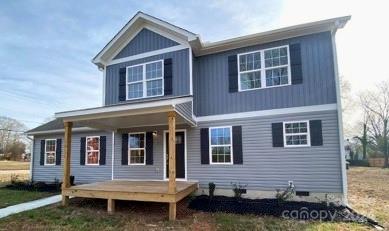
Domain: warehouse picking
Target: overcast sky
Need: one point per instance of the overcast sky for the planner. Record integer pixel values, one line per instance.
(46, 46)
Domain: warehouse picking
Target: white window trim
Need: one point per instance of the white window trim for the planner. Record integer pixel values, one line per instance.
(86, 150)
(308, 133)
(55, 152)
(144, 80)
(129, 148)
(224, 145)
(263, 69)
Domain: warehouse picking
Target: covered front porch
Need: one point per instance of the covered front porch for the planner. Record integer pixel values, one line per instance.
(120, 118)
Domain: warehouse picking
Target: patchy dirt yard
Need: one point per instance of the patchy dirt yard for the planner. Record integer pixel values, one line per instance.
(368, 189)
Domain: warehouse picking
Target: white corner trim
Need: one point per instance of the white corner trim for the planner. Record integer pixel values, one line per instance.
(190, 72)
(324, 107)
(148, 54)
(340, 119)
(104, 80)
(113, 154)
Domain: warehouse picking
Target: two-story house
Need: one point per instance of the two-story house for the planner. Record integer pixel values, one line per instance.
(261, 110)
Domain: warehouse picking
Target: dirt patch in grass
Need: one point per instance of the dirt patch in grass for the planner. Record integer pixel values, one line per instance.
(368, 192)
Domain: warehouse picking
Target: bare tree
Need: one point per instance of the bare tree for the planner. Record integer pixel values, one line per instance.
(376, 105)
(11, 132)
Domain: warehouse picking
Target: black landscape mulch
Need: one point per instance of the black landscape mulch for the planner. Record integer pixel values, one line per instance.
(36, 186)
(273, 207)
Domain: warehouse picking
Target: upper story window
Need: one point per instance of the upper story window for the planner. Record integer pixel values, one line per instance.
(220, 145)
(50, 150)
(264, 68)
(145, 80)
(296, 134)
(92, 150)
(136, 149)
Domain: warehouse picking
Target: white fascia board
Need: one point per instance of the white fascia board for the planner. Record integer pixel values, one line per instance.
(148, 54)
(292, 110)
(270, 36)
(80, 129)
(117, 110)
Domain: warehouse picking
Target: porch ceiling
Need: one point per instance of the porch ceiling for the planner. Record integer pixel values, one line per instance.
(129, 115)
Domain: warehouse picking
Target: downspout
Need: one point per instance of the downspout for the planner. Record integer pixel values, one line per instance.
(340, 119)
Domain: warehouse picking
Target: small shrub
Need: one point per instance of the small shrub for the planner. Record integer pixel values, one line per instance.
(285, 195)
(14, 178)
(238, 189)
(211, 187)
(362, 163)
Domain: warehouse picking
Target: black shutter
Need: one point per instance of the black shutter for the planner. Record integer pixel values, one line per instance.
(103, 149)
(233, 73)
(237, 144)
(278, 134)
(295, 63)
(82, 150)
(122, 84)
(58, 152)
(168, 76)
(149, 148)
(42, 160)
(125, 149)
(316, 132)
(204, 142)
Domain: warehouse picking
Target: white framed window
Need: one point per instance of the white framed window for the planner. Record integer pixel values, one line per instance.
(136, 148)
(220, 145)
(92, 156)
(264, 68)
(50, 150)
(296, 134)
(145, 80)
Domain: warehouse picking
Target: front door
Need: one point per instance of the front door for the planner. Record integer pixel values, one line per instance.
(180, 154)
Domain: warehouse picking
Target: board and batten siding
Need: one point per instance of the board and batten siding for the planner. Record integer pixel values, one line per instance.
(181, 78)
(211, 90)
(314, 169)
(82, 174)
(145, 41)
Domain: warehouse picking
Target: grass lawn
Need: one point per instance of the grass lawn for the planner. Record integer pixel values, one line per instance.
(11, 197)
(368, 189)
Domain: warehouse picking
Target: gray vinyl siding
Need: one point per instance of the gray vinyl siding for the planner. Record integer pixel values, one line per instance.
(84, 173)
(185, 109)
(181, 76)
(145, 41)
(314, 169)
(210, 80)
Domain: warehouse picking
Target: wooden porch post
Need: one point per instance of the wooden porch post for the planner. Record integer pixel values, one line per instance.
(67, 155)
(172, 162)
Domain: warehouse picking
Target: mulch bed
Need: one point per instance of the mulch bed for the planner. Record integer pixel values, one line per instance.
(36, 186)
(273, 207)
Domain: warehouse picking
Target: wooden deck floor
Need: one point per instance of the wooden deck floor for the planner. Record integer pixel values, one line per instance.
(156, 191)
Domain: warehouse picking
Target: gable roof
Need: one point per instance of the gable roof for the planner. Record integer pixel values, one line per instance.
(136, 23)
(193, 41)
